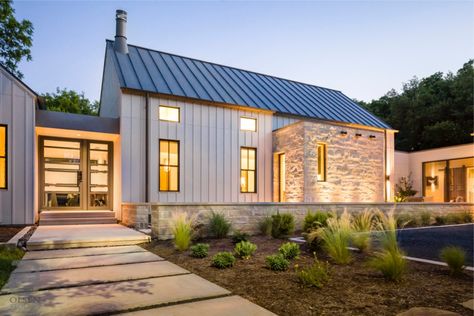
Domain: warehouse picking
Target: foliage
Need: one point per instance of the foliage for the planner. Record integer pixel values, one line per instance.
(435, 111)
(441, 220)
(7, 256)
(223, 260)
(455, 218)
(316, 275)
(425, 218)
(315, 220)
(362, 226)
(289, 250)
(199, 250)
(282, 225)
(336, 237)
(265, 226)
(16, 38)
(182, 229)
(404, 189)
(467, 217)
(245, 249)
(455, 259)
(219, 226)
(70, 101)
(406, 220)
(239, 236)
(277, 262)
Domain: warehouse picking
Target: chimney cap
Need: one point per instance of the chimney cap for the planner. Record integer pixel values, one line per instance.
(121, 14)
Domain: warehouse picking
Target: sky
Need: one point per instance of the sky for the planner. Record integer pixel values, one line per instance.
(363, 48)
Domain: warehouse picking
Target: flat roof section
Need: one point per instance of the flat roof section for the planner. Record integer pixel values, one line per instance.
(80, 122)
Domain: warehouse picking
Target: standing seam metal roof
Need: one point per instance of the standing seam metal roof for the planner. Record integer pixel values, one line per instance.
(159, 72)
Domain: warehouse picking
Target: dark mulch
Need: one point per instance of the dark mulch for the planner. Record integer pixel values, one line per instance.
(7, 232)
(354, 289)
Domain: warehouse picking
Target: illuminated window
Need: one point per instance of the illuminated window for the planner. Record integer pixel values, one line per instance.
(248, 124)
(3, 156)
(169, 165)
(248, 166)
(321, 162)
(168, 113)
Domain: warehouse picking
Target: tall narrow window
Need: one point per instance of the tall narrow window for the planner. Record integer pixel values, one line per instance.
(169, 113)
(3, 157)
(248, 124)
(321, 162)
(248, 166)
(282, 177)
(169, 165)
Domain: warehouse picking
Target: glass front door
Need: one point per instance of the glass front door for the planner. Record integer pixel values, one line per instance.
(75, 174)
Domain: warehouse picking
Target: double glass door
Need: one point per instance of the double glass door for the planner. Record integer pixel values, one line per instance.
(75, 174)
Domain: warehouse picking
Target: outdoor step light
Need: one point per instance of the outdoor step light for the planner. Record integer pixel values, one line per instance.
(371, 136)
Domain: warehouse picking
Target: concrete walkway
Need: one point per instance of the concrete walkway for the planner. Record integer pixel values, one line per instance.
(113, 280)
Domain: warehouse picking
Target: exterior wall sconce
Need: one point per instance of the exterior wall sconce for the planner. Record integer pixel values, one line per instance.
(372, 136)
(343, 133)
(387, 177)
(358, 134)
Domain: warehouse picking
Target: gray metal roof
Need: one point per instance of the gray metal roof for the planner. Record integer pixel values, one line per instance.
(164, 73)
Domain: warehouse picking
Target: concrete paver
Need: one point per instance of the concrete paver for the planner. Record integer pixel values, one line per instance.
(20, 282)
(223, 306)
(78, 252)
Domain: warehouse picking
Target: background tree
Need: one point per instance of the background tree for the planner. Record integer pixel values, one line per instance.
(15, 38)
(70, 101)
(432, 112)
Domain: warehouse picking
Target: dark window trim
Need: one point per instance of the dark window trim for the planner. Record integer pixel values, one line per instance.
(249, 118)
(254, 170)
(5, 157)
(325, 148)
(160, 165)
(172, 107)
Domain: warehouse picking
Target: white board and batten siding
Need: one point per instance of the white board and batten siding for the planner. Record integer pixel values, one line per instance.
(17, 111)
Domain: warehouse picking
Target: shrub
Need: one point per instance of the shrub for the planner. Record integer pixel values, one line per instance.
(219, 226)
(289, 250)
(440, 220)
(199, 250)
(316, 275)
(467, 217)
(277, 262)
(239, 236)
(265, 226)
(222, 260)
(406, 220)
(182, 230)
(455, 218)
(454, 258)
(315, 220)
(282, 225)
(404, 189)
(245, 249)
(336, 236)
(362, 226)
(425, 218)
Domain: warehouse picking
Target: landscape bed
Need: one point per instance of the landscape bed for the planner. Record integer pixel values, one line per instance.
(354, 289)
(7, 232)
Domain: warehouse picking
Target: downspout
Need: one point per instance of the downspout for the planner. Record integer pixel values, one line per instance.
(147, 147)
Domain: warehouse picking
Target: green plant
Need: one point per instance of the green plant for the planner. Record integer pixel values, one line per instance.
(222, 260)
(425, 218)
(455, 218)
(362, 226)
(219, 226)
(336, 237)
(265, 226)
(315, 220)
(455, 259)
(406, 220)
(277, 262)
(182, 230)
(440, 220)
(245, 249)
(289, 250)
(282, 225)
(316, 275)
(199, 250)
(7, 256)
(467, 217)
(404, 189)
(239, 236)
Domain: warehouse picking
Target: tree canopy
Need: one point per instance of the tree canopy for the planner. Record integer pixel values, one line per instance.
(70, 101)
(15, 38)
(435, 111)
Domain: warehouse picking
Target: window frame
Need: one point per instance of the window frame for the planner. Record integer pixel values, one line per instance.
(248, 118)
(254, 170)
(169, 165)
(171, 107)
(325, 150)
(5, 157)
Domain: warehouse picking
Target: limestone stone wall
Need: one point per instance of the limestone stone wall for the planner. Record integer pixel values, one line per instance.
(135, 215)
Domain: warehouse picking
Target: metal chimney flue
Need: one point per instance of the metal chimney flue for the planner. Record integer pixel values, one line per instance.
(120, 43)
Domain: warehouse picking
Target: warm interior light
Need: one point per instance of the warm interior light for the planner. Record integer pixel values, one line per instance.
(248, 124)
(168, 113)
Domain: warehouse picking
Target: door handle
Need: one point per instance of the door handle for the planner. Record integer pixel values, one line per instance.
(79, 177)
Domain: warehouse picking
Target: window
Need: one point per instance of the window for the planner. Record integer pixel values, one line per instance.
(248, 165)
(321, 162)
(3, 157)
(168, 113)
(248, 124)
(169, 165)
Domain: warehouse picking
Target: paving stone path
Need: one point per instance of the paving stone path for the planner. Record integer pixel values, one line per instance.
(113, 280)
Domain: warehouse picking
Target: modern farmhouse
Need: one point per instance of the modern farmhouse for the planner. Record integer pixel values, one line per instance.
(176, 129)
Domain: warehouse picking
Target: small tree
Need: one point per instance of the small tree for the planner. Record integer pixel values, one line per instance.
(404, 189)
(70, 101)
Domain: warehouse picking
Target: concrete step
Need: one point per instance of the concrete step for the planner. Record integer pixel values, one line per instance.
(67, 214)
(77, 221)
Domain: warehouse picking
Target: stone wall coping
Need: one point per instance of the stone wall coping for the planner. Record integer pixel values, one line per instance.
(299, 204)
